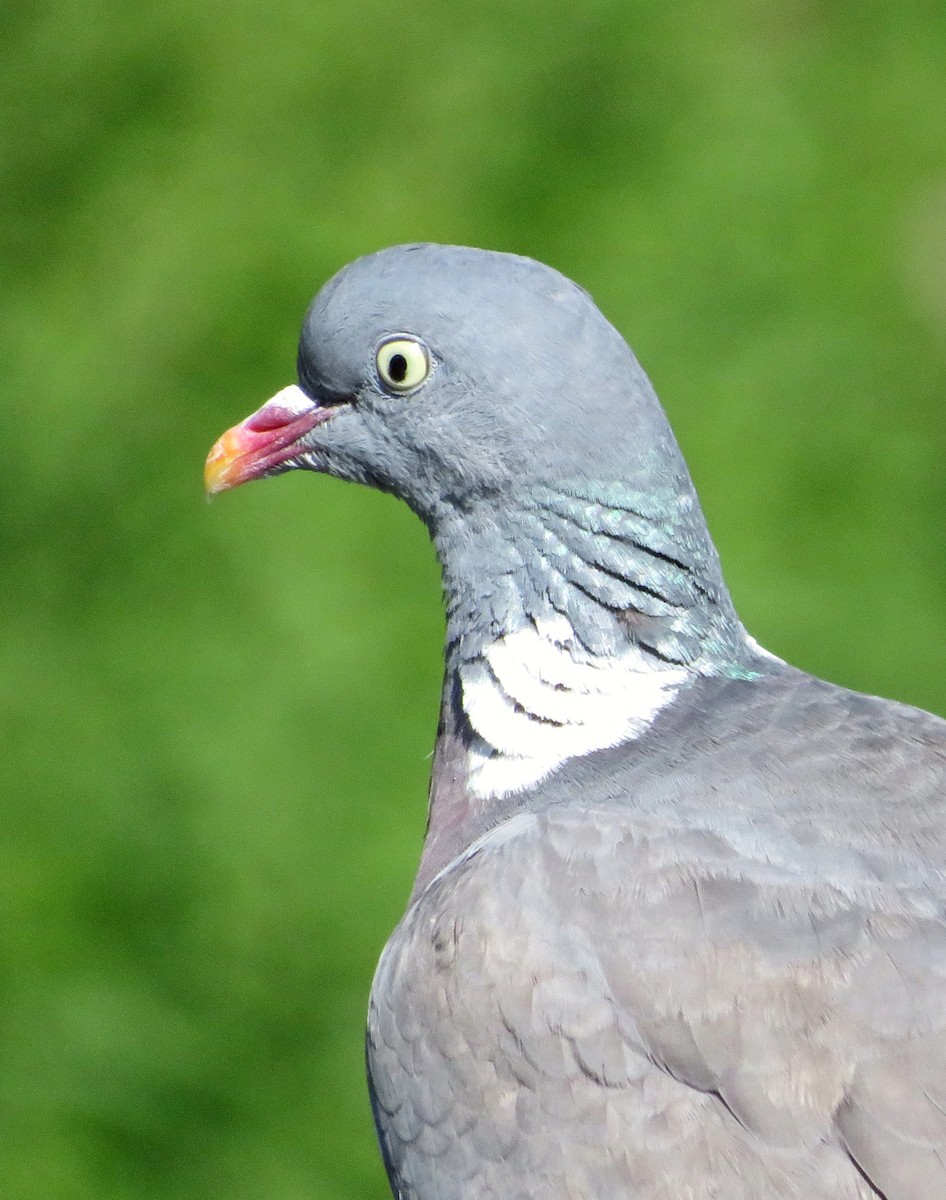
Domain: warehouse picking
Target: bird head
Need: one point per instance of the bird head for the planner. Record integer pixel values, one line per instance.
(455, 378)
(488, 392)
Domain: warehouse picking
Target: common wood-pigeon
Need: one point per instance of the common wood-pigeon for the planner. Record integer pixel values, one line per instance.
(679, 926)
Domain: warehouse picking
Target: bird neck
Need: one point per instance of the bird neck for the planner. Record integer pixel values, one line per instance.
(574, 616)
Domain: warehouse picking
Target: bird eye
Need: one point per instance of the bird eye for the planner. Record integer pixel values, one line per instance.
(403, 364)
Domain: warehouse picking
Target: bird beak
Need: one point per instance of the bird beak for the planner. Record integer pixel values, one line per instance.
(263, 442)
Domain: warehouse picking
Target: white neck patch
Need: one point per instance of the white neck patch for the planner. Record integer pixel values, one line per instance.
(537, 697)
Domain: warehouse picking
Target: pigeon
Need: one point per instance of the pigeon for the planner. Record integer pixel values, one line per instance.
(678, 930)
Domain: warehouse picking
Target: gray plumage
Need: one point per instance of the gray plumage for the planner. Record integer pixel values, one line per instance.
(679, 927)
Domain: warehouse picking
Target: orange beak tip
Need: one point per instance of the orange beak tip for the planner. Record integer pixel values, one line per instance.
(221, 467)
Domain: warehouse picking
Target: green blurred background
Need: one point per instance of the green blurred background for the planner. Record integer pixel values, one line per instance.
(216, 720)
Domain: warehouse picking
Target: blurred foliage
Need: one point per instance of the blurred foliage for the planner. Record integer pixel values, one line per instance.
(216, 721)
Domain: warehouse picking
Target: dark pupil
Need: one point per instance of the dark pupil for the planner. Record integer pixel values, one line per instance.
(397, 368)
